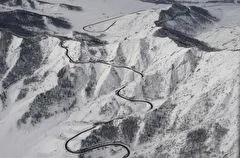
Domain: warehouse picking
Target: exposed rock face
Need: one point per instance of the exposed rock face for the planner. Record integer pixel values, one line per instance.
(29, 24)
(187, 20)
(183, 40)
(22, 3)
(5, 41)
(37, 4)
(159, 1)
(71, 7)
(181, 23)
(190, 2)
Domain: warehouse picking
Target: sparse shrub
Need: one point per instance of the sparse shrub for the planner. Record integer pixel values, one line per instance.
(22, 94)
(157, 120)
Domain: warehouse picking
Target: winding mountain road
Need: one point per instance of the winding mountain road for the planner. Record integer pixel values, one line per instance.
(87, 149)
(103, 21)
(117, 92)
(96, 61)
(85, 27)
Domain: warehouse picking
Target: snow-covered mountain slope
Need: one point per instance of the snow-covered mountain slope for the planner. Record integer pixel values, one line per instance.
(158, 83)
(79, 13)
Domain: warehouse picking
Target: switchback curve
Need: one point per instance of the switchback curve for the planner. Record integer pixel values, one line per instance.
(113, 18)
(117, 92)
(87, 149)
(96, 61)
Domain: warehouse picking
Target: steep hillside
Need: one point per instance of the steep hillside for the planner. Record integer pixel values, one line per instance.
(157, 83)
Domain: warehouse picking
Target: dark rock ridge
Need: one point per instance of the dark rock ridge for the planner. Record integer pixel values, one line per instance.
(43, 2)
(34, 3)
(5, 41)
(22, 3)
(63, 5)
(181, 24)
(183, 1)
(183, 40)
(27, 24)
(159, 1)
(91, 40)
(185, 19)
(71, 7)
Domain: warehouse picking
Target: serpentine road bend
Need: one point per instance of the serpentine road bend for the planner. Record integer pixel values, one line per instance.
(117, 92)
(113, 18)
(87, 149)
(85, 27)
(96, 61)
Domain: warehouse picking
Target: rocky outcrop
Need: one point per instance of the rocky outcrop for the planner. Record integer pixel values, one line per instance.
(5, 41)
(181, 24)
(28, 24)
(71, 7)
(22, 3)
(159, 1)
(187, 20)
(183, 40)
